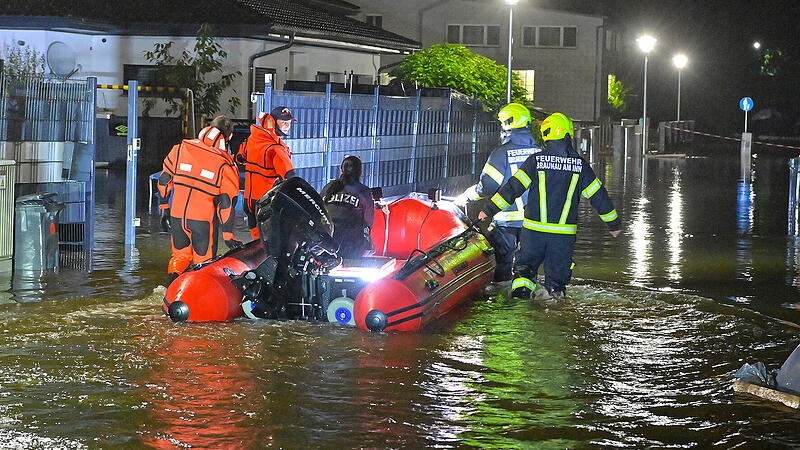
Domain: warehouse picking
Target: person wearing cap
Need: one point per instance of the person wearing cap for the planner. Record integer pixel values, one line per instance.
(518, 143)
(266, 159)
(352, 210)
(204, 183)
(555, 180)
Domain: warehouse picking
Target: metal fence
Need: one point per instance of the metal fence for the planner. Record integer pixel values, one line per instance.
(48, 127)
(406, 143)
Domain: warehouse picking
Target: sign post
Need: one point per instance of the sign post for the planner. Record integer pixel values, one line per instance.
(746, 104)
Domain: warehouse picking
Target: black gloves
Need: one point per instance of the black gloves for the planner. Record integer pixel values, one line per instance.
(234, 244)
(474, 208)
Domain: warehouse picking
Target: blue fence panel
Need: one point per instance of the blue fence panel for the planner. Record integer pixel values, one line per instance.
(405, 143)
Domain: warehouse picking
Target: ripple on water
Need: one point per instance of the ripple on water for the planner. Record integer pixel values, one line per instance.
(607, 367)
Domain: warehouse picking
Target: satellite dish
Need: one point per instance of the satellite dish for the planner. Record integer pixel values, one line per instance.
(61, 59)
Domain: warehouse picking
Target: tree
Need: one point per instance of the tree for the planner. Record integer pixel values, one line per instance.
(199, 70)
(455, 66)
(21, 63)
(617, 94)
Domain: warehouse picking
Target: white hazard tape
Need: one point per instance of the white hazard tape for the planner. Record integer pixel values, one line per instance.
(728, 138)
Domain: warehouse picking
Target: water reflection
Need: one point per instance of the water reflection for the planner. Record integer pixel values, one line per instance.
(640, 243)
(197, 396)
(675, 227)
(745, 207)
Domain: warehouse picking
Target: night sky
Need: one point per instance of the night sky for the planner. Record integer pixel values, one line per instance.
(717, 36)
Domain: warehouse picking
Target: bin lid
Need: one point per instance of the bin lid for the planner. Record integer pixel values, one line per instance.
(48, 200)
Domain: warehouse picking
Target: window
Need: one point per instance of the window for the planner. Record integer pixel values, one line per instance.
(475, 35)
(260, 77)
(526, 81)
(375, 20)
(553, 37)
(611, 43)
(158, 76)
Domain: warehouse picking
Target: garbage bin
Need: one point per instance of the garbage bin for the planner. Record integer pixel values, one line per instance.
(36, 231)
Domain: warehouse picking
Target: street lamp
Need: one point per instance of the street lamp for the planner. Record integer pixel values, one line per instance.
(510, 4)
(679, 61)
(646, 44)
(756, 45)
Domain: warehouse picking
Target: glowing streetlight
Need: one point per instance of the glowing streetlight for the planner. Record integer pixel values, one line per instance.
(510, 4)
(679, 61)
(756, 45)
(646, 44)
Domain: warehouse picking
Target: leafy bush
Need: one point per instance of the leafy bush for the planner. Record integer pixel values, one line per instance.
(22, 62)
(457, 67)
(195, 70)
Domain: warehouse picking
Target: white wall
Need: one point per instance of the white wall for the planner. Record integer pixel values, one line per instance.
(566, 78)
(104, 56)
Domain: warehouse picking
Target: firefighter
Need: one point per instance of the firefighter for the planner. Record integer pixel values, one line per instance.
(266, 159)
(204, 183)
(518, 144)
(556, 179)
(352, 210)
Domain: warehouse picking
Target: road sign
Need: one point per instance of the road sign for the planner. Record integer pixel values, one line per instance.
(746, 104)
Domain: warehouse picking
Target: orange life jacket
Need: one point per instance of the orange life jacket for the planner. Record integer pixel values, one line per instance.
(203, 180)
(266, 158)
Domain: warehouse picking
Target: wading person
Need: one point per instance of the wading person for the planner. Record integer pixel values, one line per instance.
(204, 183)
(266, 159)
(518, 144)
(352, 210)
(555, 180)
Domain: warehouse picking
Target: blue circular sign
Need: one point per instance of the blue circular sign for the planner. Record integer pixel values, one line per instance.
(746, 104)
(343, 315)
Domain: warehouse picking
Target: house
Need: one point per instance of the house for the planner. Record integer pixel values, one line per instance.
(562, 57)
(318, 39)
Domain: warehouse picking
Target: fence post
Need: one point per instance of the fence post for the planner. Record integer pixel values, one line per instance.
(474, 132)
(376, 154)
(130, 173)
(449, 127)
(794, 195)
(412, 176)
(267, 98)
(91, 139)
(326, 161)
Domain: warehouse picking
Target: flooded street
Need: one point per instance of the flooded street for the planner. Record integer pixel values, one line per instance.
(702, 279)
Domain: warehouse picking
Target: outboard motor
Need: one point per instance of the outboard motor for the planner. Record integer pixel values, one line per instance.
(296, 232)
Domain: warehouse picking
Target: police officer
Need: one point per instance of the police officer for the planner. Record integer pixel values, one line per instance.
(352, 210)
(266, 159)
(204, 183)
(555, 179)
(517, 145)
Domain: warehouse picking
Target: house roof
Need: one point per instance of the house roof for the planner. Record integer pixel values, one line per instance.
(321, 19)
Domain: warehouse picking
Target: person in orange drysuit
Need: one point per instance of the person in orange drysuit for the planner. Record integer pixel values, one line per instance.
(266, 159)
(204, 182)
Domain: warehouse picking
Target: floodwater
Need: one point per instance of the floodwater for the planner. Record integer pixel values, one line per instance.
(703, 279)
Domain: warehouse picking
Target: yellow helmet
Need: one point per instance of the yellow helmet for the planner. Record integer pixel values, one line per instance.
(556, 126)
(514, 115)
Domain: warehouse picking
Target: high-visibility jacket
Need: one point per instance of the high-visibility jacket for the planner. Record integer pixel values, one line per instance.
(556, 179)
(266, 159)
(500, 167)
(203, 181)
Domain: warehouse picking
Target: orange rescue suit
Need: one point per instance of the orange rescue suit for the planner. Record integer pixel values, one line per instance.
(266, 159)
(204, 183)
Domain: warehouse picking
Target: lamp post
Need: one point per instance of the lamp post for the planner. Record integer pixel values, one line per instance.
(679, 61)
(646, 45)
(510, 4)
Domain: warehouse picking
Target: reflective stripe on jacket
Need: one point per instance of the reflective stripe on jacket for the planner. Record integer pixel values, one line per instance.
(555, 179)
(503, 162)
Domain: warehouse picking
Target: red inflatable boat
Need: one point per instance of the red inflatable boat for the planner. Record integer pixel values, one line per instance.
(431, 262)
